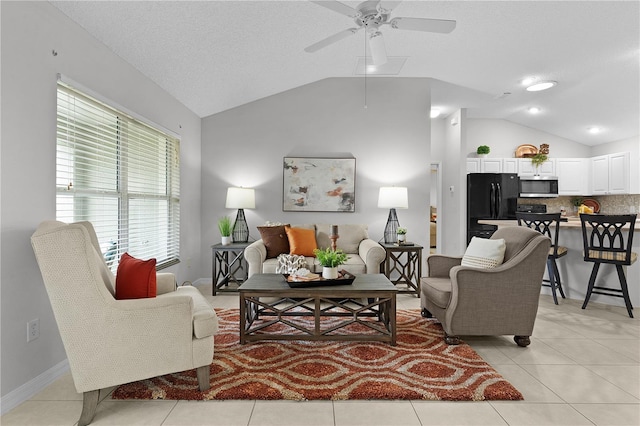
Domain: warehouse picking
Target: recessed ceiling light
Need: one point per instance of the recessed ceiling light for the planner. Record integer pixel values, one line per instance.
(541, 85)
(594, 130)
(435, 112)
(534, 110)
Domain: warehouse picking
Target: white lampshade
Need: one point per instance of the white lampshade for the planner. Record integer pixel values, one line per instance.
(393, 197)
(241, 198)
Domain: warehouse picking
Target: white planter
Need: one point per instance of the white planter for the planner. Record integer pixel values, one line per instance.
(227, 240)
(329, 273)
(482, 155)
(401, 238)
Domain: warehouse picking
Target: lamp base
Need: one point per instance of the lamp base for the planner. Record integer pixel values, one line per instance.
(240, 228)
(391, 230)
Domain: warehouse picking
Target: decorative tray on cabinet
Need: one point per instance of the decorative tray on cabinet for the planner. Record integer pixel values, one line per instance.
(526, 151)
(344, 278)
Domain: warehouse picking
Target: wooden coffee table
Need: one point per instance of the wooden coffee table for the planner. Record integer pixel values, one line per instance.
(369, 303)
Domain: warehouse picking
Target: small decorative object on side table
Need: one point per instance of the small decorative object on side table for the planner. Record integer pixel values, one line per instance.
(225, 228)
(401, 234)
(403, 265)
(228, 266)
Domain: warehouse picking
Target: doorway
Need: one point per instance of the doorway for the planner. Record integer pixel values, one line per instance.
(435, 225)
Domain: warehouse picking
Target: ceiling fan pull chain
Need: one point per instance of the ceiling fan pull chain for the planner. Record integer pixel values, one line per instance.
(365, 70)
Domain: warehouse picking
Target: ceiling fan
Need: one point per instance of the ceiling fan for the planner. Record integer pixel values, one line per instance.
(371, 15)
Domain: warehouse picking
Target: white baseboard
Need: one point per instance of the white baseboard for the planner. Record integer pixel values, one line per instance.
(202, 281)
(32, 387)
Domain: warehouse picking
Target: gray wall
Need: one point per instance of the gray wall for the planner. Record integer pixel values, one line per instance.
(504, 137)
(30, 31)
(390, 140)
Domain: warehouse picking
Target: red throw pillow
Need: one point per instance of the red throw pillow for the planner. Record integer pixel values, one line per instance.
(136, 279)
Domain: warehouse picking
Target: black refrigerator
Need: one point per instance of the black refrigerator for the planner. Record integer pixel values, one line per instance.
(490, 196)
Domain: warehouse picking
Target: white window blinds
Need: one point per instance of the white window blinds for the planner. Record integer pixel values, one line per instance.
(120, 174)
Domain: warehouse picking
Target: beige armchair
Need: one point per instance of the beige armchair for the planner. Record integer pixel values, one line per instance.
(498, 301)
(110, 342)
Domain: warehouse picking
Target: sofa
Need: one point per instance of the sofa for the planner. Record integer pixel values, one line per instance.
(365, 255)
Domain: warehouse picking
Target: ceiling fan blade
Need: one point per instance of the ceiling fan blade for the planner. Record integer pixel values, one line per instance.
(336, 6)
(388, 5)
(331, 39)
(378, 49)
(423, 24)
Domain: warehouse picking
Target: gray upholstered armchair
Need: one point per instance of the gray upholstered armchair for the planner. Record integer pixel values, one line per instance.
(498, 301)
(110, 342)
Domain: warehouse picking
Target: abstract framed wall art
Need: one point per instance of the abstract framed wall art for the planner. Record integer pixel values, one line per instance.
(319, 184)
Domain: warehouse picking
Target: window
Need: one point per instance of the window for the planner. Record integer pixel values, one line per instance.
(120, 174)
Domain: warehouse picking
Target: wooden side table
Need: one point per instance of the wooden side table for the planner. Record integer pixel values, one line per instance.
(229, 266)
(403, 265)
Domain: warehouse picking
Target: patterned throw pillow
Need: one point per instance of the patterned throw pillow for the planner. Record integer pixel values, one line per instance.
(290, 263)
(484, 253)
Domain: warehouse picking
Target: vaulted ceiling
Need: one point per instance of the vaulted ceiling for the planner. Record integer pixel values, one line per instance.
(217, 55)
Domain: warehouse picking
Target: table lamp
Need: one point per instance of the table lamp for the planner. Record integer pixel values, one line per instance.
(240, 198)
(392, 197)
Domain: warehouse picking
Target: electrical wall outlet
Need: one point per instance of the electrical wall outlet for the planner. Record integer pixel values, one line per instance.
(33, 329)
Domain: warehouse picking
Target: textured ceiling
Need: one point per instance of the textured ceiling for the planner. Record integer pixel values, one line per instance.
(215, 55)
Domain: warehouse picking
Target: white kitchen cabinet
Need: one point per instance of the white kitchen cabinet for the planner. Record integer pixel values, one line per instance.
(573, 176)
(525, 167)
(492, 165)
(610, 174)
(509, 165)
(600, 174)
(473, 165)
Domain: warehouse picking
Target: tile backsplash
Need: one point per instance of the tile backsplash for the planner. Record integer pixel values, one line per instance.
(609, 204)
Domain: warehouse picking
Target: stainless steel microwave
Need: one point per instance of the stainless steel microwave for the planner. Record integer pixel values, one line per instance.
(538, 186)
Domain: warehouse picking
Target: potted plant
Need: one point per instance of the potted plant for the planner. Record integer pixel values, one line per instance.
(330, 260)
(224, 225)
(401, 233)
(537, 161)
(483, 151)
(576, 202)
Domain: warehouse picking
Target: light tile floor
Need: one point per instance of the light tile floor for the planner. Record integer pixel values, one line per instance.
(582, 368)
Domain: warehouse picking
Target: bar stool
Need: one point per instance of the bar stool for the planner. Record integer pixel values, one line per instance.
(604, 242)
(543, 222)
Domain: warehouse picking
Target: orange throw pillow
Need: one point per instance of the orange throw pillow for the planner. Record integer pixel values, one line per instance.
(301, 241)
(136, 279)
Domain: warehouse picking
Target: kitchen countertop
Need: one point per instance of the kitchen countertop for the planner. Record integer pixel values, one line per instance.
(572, 222)
(575, 272)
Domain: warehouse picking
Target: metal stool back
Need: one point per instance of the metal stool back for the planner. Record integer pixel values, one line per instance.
(605, 241)
(547, 224)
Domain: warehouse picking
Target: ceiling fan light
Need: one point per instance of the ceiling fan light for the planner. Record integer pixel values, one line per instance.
(528, 81)
(378, 50)
(541, 85)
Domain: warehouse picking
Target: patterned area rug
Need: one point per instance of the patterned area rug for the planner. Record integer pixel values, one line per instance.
(421, 366)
